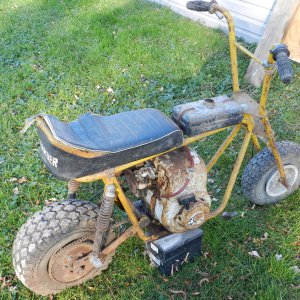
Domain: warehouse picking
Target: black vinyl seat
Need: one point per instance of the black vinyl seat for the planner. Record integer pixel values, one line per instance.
(115, 140)
(117, 132)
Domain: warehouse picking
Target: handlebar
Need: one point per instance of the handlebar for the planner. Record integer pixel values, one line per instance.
(281, 56)
(280, 53)
(200, 5)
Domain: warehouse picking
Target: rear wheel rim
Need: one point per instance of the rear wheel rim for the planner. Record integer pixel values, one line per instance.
(62, 265)
(275, 188)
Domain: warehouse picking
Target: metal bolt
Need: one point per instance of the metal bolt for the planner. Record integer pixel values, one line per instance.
(110, 191)
(69, 258)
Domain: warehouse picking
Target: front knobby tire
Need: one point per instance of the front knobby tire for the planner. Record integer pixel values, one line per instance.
(260, 179)
(50, 241)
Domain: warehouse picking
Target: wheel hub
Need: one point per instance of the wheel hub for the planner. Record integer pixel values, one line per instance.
(275, 188)
(64, 266)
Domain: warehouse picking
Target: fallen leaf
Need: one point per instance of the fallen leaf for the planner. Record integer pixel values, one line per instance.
(6, 282)
(52, 199)
(229, 215)
(296, 287)
(14, 179)
(110, 90)
(265, 236)
(210, 180)
(254, 254)
(16, 191)
(76, 97)
(287, 231)
(253, 206)
(296, 269)
(195, 293)
(256, 241)
(183, 293)
(214, 199)
(204, 274)
(12, 289)
(37, 67)
(164, 278)
(203, 280)
(248, 240)
(47, 202)
(22, 180)
(278, 256)
(296, 243)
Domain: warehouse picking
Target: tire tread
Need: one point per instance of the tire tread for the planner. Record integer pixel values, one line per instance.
(260, 164)
(42, 230)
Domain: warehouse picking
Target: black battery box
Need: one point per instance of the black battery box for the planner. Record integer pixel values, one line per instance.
(170, 252)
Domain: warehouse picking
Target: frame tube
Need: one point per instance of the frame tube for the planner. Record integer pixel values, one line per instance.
(266, 123)
(232, 47)
(255, 142)
(247, 52)
(115, 244)
(128, 208)
(233, 176)
(223, 147)
(117, 170)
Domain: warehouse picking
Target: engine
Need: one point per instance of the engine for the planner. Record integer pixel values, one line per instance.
(173, 189)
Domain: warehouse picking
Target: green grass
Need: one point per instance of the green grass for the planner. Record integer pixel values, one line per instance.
(53, 55)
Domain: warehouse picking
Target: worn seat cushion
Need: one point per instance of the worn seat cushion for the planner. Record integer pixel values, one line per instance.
(115, 140)
(115, 133)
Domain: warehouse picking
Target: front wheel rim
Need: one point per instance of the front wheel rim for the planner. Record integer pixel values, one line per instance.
(275, 188)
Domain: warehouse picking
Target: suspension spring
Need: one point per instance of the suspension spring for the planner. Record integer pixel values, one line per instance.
(103, 221)
(73, 187)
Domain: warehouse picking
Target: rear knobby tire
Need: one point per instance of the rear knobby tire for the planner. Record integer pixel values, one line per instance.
(45, 235)
(261, 174)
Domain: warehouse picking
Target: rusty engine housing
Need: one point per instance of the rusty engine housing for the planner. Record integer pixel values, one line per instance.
(173, 189)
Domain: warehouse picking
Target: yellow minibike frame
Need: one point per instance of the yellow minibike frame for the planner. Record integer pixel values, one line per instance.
(248, 124)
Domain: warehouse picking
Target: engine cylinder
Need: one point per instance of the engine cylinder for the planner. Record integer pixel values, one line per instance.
(177, 197)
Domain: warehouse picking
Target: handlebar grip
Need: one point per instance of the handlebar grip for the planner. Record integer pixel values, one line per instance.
(199, 5)
(284, 66)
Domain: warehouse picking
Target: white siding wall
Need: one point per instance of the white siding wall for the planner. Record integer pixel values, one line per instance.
(250, 16)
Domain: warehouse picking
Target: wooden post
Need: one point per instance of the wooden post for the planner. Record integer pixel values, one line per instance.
(282, 12)
(292, 36)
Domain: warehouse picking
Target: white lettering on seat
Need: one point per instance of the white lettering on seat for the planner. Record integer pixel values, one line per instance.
(52, 160)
